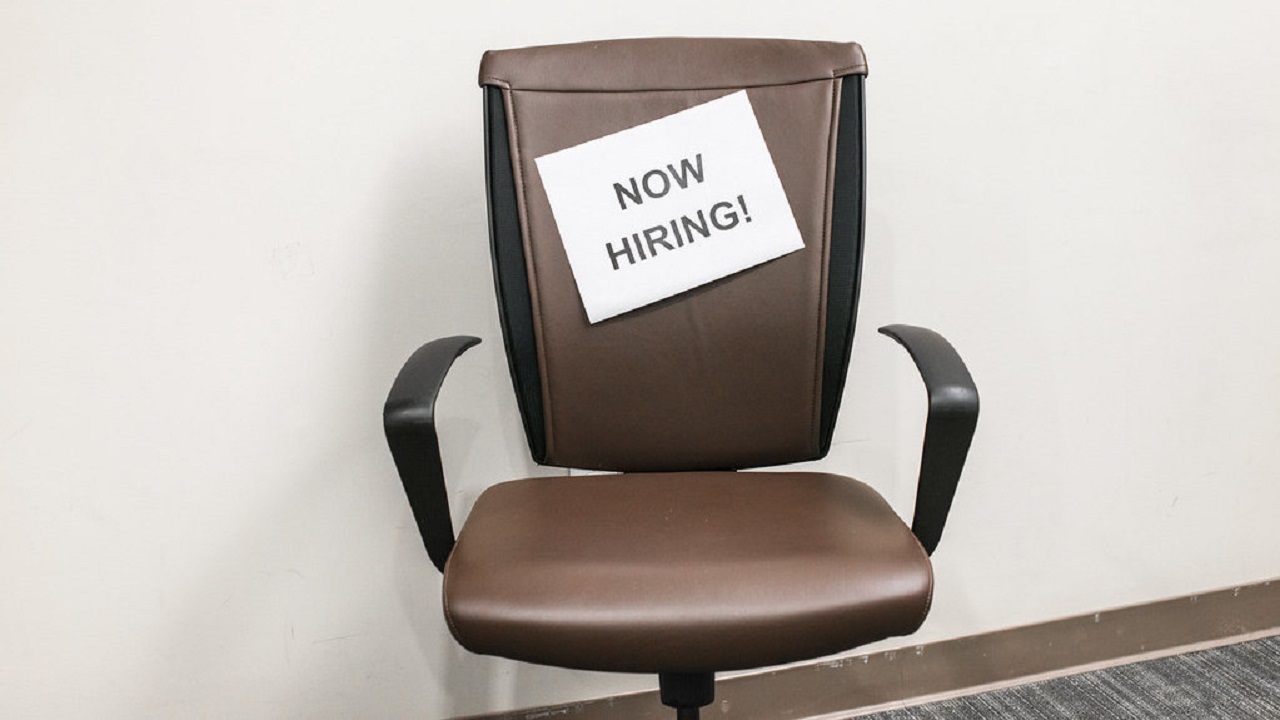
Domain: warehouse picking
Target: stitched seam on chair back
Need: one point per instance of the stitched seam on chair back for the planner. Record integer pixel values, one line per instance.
(517, 164)
(698, 317)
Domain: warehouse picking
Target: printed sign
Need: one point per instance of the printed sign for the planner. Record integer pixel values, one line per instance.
(663, 207)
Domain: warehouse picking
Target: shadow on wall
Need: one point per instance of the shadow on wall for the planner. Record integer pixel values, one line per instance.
(436, 281)
(320, 599)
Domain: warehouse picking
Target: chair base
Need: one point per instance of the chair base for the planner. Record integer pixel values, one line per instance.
(687, 692)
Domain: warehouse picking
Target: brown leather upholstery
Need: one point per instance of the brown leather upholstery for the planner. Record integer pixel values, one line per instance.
(670, 64)
(726, 375)
(694, 569)
(682, 572)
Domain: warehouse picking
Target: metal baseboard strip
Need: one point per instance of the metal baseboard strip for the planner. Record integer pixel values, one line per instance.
(862, 684)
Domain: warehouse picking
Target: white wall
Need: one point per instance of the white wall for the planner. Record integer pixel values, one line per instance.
(223, 226)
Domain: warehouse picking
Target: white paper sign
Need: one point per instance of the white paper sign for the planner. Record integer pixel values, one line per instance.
(663, 207)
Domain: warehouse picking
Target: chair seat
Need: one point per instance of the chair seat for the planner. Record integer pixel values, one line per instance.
(682, 572)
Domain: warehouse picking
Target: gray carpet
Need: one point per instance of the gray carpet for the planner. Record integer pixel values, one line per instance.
(1237, 681)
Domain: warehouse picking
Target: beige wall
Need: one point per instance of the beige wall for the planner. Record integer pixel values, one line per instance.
(224, 225)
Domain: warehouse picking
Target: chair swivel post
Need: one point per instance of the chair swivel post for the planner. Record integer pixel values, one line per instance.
(687, 692)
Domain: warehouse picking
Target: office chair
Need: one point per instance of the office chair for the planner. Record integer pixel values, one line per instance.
(682, 562)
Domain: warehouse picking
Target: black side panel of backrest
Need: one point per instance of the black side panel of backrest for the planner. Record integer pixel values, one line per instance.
(510, 278)
(845, 270)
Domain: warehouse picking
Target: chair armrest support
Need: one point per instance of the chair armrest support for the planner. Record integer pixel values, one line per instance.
(953, 415)
(409, 421)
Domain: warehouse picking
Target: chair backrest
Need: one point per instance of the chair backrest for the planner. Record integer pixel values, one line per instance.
(742, 372)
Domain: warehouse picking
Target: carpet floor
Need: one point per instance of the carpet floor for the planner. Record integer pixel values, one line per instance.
(1236, 681)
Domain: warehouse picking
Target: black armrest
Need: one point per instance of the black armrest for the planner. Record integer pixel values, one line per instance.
(410, 423)
(953, 415)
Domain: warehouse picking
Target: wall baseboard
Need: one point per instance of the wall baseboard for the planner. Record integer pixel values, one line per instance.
(862, 684)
